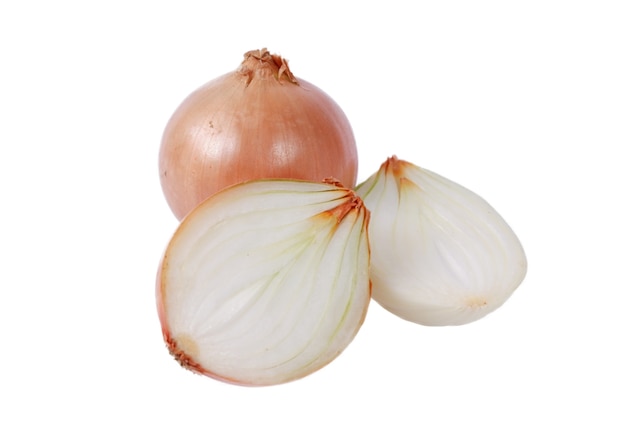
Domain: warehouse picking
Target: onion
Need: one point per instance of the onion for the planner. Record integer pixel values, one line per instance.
(258, 121)
(266, 282)
(441, 255)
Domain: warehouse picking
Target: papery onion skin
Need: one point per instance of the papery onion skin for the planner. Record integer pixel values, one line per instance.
(441, 255)
(258, 121)
(217, 229)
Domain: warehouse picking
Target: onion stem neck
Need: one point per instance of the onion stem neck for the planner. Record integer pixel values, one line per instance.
(260, 63)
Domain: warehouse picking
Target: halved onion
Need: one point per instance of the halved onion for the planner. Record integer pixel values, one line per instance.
(441, 255)
(266, 281)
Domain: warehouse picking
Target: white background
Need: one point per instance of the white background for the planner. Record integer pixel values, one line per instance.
(523, 102)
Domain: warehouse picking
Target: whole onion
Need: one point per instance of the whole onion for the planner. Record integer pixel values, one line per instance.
(258, 121)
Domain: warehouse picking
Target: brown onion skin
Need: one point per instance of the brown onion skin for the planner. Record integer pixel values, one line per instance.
(258, 121)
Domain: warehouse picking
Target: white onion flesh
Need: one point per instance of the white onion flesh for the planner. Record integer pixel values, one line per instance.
(266, 282)
(441, 255)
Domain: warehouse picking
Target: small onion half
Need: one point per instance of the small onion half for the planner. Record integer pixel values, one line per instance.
(441, 255)
(258, 121)
(266, 281)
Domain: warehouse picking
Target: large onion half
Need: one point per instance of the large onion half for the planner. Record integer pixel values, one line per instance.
(258, 121)
(266, 282)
